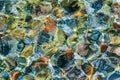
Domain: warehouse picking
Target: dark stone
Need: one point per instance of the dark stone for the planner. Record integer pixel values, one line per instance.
(73, 6)
(1, 4)
(62, 61)
(43, 37)
(97, 5)
(4, 48)
(28, 18)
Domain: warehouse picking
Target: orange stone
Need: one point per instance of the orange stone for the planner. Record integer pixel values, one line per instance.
(115, 5)
(103, 46)
(49, 25)
(41, 61)
(14, 75)
(68, 53)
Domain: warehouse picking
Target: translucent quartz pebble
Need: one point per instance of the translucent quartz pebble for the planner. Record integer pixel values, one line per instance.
(28, 77)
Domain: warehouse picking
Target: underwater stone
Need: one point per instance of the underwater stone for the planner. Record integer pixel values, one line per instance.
(114, 40)
(17, 35)
(114, 76)
(27, 51)
(28, 77)
(41, 61)
(10, 63)
(28, 18)
(69, 52)
(103, 46)
(74, 73)
(116, 26)
(88, 69)
(21, 62)
(20, 46)
(4, 48)
(43, 37)
(115, 50)
(44, 74)
(49, 25)
(14, 75)
(95, 35)
(1, 5)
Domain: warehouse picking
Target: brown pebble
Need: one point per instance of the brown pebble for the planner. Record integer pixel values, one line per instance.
(49, 25)
(69, 52)
(41, 61)
(14, 75)
(116, 5)
(116, 26)
(103, 46)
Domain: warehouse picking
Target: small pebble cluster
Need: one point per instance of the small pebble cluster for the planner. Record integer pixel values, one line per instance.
(59, 39)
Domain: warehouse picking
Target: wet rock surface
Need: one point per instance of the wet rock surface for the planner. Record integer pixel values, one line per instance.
(59, 39)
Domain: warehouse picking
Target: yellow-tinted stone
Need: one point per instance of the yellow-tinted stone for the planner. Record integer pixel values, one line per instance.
(17, 33)
(44, 74)
(57, 12)
(32, 33)
(35, 23)
(79, 12)
(115, 40)
(118, 67)
(89, 70)
(59, 36)
(27, 51)
(51, 51)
